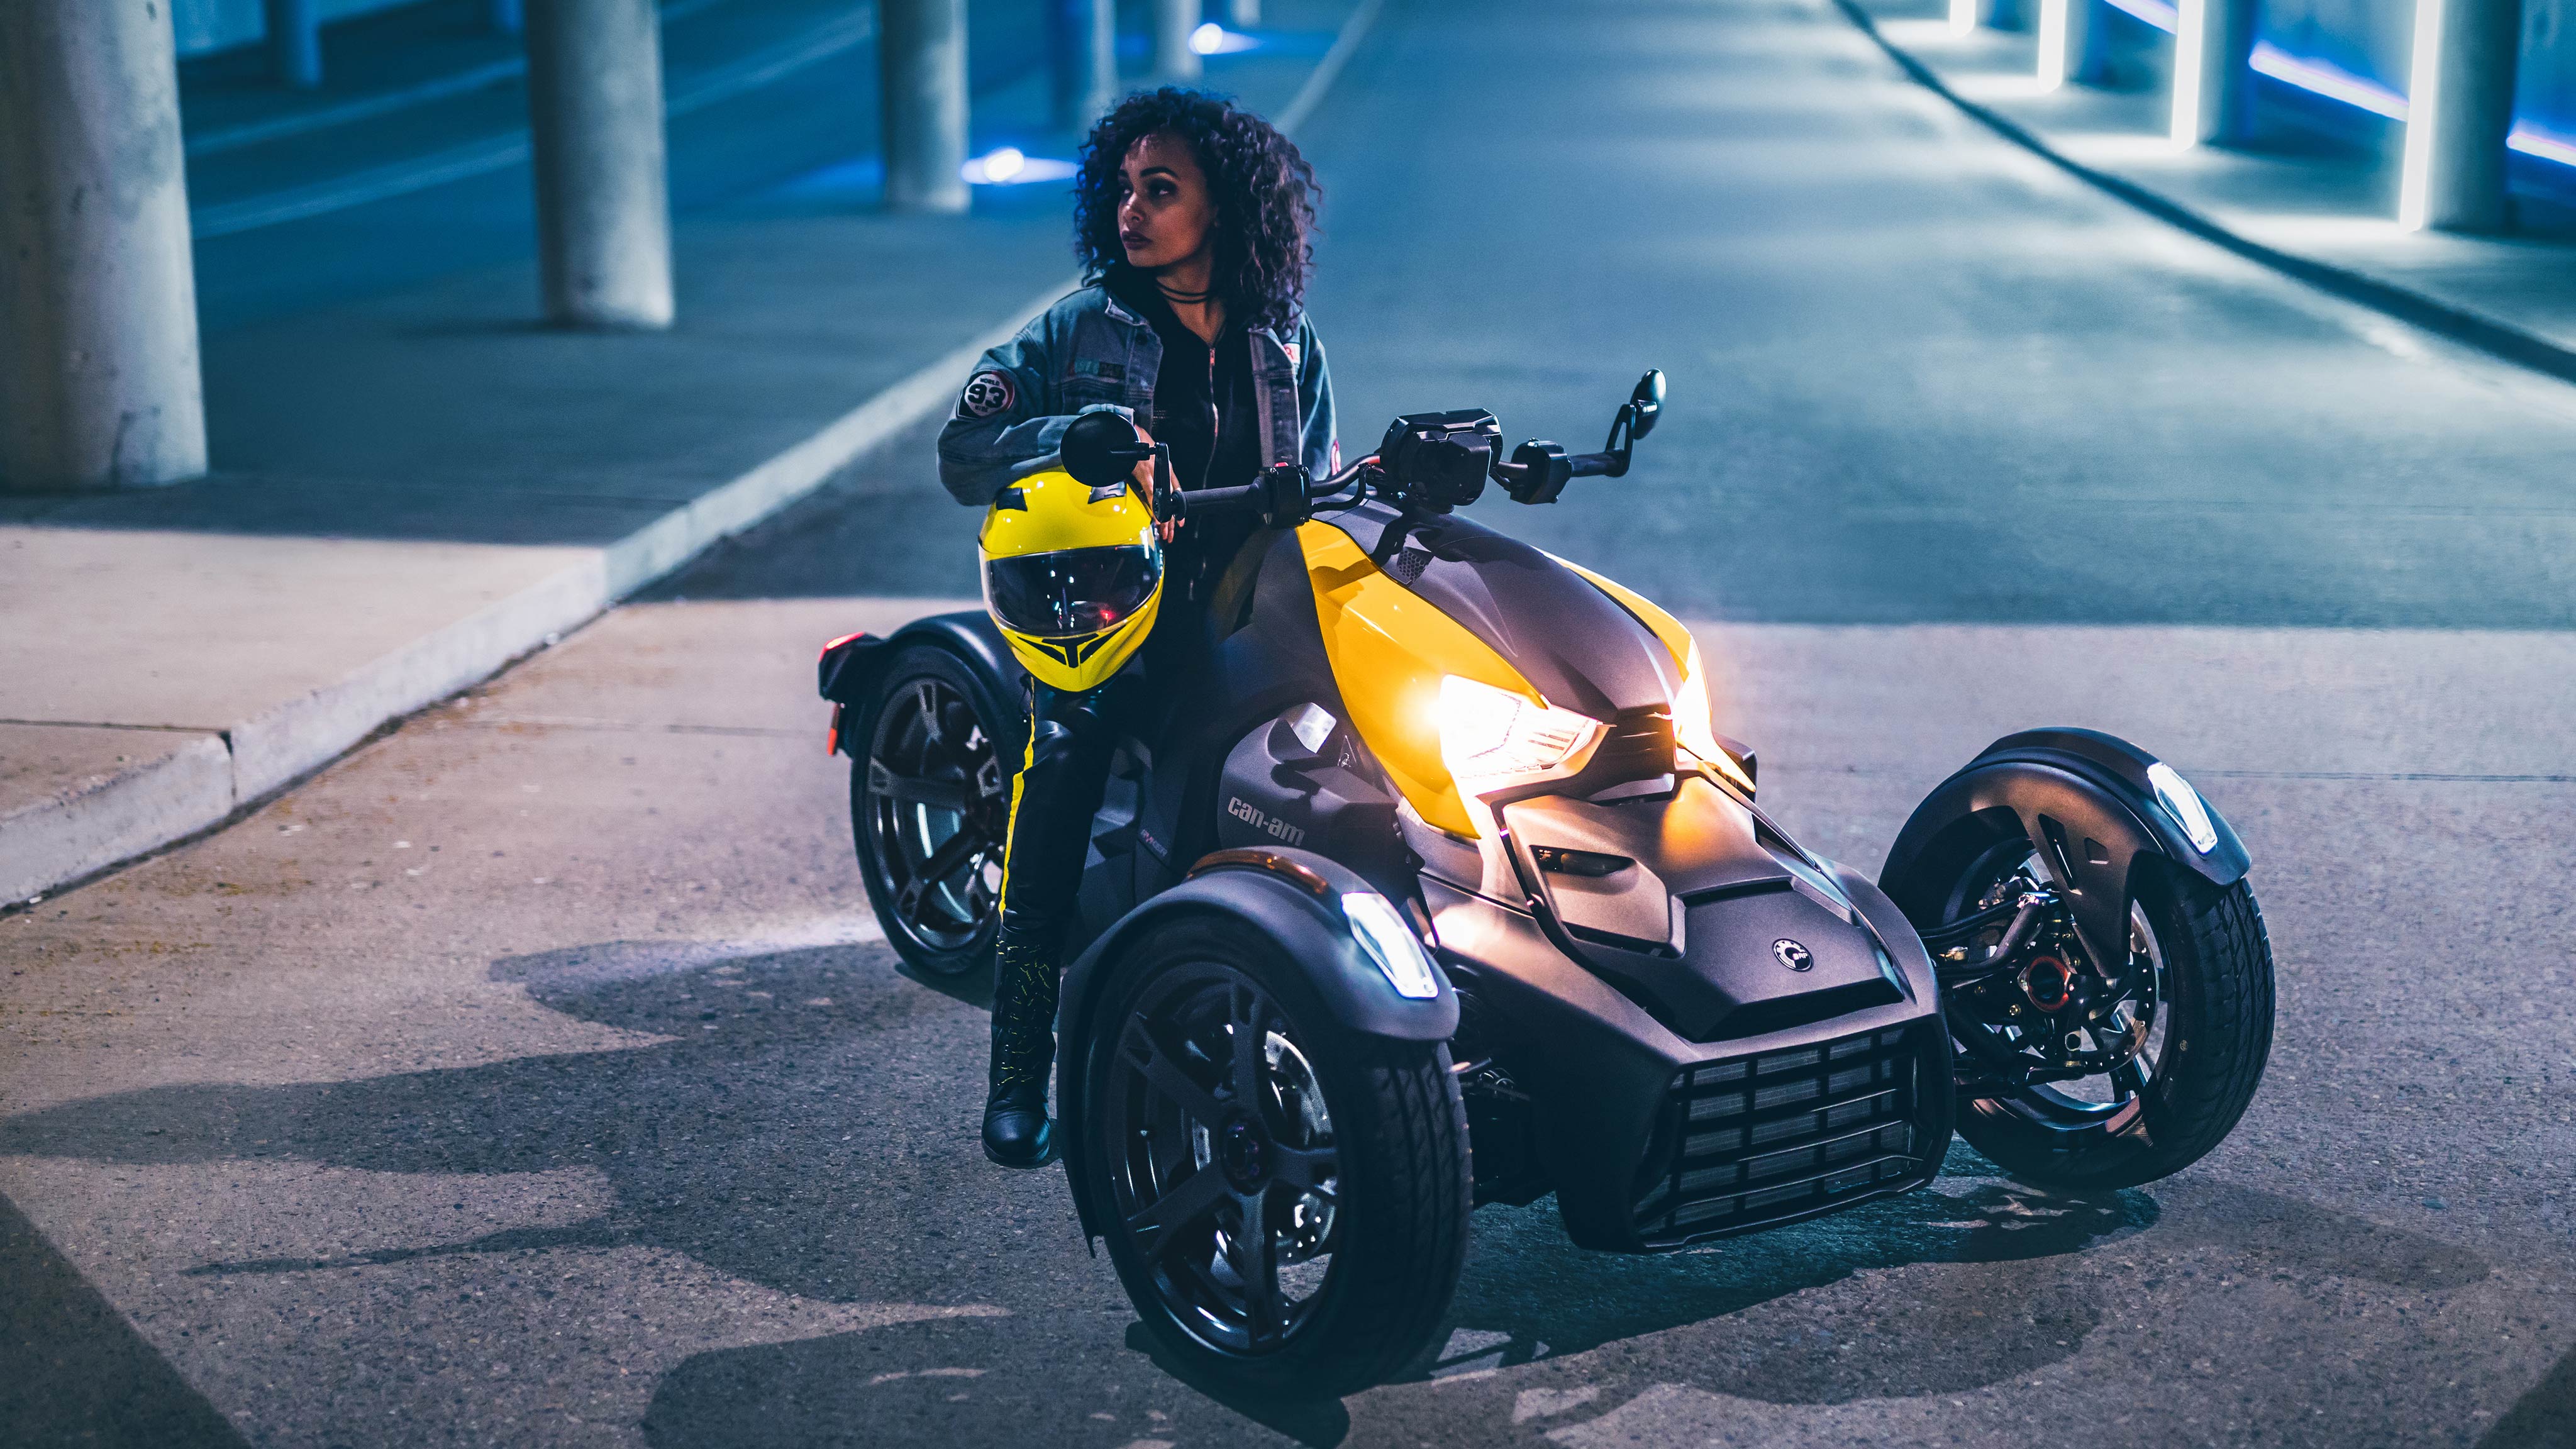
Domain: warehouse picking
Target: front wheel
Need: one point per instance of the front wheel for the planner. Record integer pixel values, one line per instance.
(1285, 1200)
(2196, 991)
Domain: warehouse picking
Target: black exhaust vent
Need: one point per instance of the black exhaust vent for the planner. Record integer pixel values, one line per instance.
(1766, 1139)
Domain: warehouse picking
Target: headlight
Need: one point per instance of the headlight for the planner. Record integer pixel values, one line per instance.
(1489, 736)
(1693, 729)
(2183, 803)
(1383, 935)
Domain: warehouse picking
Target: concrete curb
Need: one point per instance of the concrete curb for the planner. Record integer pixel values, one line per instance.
(2491, 335)
(206, 781)
(107, 820)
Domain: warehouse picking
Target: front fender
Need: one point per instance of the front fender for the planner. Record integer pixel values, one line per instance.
(1291, 896)
(851, 666)
(2084, 801)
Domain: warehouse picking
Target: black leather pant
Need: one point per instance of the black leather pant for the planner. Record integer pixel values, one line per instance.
(1053, 799)
(1063, 775)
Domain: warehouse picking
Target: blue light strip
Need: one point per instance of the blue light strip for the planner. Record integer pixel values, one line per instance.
(2325, 80)
(2530, 140)
(2319, 78)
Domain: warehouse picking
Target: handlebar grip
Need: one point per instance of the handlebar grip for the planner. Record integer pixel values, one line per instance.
(1592, 465)
(1206, 501)
(1282, 496)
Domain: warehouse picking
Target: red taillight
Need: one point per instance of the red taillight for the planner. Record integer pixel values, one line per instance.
(844, 639)
(832, 740)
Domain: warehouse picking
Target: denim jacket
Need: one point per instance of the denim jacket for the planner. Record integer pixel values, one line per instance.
(1089, 353)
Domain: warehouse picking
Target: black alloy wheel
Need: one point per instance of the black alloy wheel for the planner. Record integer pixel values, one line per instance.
(930, 812)
(1289, 1198)
(2177, 1041)
(1227, 1177)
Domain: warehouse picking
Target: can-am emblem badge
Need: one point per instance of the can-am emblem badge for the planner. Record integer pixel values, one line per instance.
(1793, 955)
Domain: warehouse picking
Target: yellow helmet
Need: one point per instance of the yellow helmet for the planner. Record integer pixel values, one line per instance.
(1072, 575)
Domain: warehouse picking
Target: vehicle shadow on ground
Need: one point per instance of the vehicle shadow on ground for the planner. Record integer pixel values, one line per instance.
(2017, 1306)
(803, 1122)
(2544, 1418)
(747, 1138)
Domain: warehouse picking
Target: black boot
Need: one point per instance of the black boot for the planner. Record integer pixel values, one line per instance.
(1016, 1130)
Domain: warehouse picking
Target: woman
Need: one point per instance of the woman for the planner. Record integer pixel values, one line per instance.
(1192, 219)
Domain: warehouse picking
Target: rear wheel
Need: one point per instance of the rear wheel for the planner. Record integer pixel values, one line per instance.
(1286, 1200)
(2182, 1038)
(930, 808)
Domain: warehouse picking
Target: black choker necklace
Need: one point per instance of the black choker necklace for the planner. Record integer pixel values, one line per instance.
(1181, 298)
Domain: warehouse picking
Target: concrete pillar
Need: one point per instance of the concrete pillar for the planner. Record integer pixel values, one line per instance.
(2213, 80)
(1174, 61)
(295, 42)
(1086, 61)
(2069, 44)
(2459, 103)
(603, 201)
(921, 52)
(506, 16)
(1243, 14)
(99, 386)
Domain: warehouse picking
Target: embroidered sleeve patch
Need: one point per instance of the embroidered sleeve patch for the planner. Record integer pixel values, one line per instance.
(1296, 355)
(987, 393)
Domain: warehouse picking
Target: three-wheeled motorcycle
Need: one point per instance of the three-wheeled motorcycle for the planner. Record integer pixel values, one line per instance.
(1425, 882)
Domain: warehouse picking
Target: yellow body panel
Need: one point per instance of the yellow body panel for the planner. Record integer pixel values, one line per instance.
(1058, 514)
(1389, 649)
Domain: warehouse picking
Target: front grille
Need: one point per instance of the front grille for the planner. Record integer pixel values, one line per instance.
(1771, 1137)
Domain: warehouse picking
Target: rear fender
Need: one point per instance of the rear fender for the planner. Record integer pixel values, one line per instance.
(854, 665)
(1294, 897)
(2084, 801)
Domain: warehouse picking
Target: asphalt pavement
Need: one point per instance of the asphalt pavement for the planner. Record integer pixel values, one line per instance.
(536, 1076)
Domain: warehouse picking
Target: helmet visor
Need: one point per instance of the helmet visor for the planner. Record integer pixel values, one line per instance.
(1072, 592)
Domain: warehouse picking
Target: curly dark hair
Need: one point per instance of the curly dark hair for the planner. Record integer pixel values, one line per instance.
(1263, 189)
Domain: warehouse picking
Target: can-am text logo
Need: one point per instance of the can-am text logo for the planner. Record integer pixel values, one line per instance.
(1275, 828)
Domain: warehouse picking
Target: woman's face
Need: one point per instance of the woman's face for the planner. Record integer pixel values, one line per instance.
(1163, 212)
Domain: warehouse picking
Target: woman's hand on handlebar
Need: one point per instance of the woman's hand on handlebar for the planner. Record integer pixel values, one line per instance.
(1143, 472)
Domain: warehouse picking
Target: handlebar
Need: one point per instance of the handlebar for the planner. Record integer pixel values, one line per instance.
(1204, 502)
(1429, 461)
(1281, 496)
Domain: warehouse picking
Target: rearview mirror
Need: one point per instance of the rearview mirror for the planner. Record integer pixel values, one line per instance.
(1099, 450)
(1646, 403)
